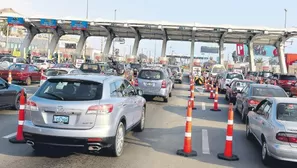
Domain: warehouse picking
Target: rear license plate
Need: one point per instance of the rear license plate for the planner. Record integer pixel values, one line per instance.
(150, 84)
(61, 119)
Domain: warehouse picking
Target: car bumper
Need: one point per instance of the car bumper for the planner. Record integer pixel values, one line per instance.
(66, 137)
(283, 152)
(161, 93)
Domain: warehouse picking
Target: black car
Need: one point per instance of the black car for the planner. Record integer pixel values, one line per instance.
(90, 68)
(9, 95)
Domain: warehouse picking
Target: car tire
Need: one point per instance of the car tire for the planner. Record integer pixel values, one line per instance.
(170, 94)
(248, 133)
(165, 99)
(140, 126)
(28, 81)
(173, 86)
(266, 159)
(236, 108)
(16, 105)
(118, 144)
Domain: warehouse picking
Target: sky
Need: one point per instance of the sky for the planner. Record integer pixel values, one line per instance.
(265, 13)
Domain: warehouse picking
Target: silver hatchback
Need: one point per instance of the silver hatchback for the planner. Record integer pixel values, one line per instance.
(155, 82)
(89, 111)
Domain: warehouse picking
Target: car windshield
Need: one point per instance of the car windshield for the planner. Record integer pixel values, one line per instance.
(268, 92)
(234, 75)
(55, 72)
(265, 74)
(90, 68)
(287, 77)
(135, 66)
(9, 59)
(217, 69)
(39, 61)
(20, 67)
(150, 74)
(174, 69)
(241, 84)
(70, 90)
(287, 112)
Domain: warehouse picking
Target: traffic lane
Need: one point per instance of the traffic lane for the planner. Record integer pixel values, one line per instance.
(137, 152)
(31, 89)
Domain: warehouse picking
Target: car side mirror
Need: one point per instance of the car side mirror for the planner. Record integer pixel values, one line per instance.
(139, 92)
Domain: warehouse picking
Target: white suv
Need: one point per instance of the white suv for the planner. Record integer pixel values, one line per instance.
(227, 78)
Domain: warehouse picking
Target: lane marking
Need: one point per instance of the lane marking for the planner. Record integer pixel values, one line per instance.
(203, 106)
(10, 135)
(205, 143)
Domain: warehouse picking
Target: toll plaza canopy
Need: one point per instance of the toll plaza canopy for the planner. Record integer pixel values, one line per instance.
(165, 31)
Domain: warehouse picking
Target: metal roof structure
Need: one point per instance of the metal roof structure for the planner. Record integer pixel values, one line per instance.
(161, 30)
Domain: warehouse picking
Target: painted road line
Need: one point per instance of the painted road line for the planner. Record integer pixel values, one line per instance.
(10, 135)
(205, 143)
(203, 106)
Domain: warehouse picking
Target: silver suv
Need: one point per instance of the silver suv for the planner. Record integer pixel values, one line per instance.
(155, 82)
(89, 111)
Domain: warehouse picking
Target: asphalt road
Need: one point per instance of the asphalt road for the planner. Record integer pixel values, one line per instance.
(153, 148)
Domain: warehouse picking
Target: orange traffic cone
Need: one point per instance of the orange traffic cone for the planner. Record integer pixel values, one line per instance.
(193, 99)
(211, 92)
(228, 153)
(187, 150)
(207, 86)
(19, 136)
(216, 101)
(9, 79)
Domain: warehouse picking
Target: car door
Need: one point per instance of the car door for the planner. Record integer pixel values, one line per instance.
(240, 97)
(3, 96)
(133, 99)
(126, 102)
(265, 125)
(258, 119)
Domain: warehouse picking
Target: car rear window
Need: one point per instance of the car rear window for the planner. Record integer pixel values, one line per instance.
(70, 90)
(61, 66)
(265, 74)
(90, 68)
(20, 67)
(287, 112)
(287, 77)
(151, 74)
(55, 72)
(268, 92)
(252, 73)
(175, 69)
(135, 66)
(234, 75)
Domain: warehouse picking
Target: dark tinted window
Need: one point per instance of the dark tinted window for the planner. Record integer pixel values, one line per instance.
(234, 75)
(55, 72)
(265, 74)
(20, 67)
(287, 112)
(268, 92)
(70, 90)
(135, 66)
(120, 88)
(90, 68)
(39, 61)
(9, 59)
(287, 77)
(151, 75)
(252, 73)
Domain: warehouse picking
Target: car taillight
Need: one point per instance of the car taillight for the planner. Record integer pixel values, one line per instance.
(43, 77)
(286, 137)
(163, 84)
(32, 106)
(100, 109)
(136, 82)
(253, 102)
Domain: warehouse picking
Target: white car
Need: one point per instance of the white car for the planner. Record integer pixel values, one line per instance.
(43, 63)
(58, 71)
(227, 78)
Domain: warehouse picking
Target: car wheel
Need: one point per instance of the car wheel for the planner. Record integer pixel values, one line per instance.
(236, 108)
(165, 99)
(16, 105)
(173, 86)
(266, 159)
(181, 82)
(118, 145)
(28, 81)
(140, 126)
(248, 133)
(170, 94)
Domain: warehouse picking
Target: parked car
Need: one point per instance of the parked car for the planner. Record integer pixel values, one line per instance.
(64, 65)
(154, 82)
(217, 68)
(10, 95)
(227, 78)
(88, 111)
(56, 72)
(43, 63)
(25, 73)
(177, 73)
(234, 87)
(273, 123)
(252, 94)
(284, 80)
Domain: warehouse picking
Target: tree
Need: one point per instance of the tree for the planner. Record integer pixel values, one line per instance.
(3, 28)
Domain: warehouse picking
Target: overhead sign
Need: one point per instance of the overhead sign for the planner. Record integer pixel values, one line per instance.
(15, 21)
(212, 50)
(48, 23)
(259, 50)
(240, 49)
(79, 25)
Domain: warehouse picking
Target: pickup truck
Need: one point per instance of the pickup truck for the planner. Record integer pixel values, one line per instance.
(24, 73)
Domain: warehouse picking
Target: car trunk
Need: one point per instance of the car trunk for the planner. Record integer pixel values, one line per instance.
(49, 110)
(148, 85)
(291, 128)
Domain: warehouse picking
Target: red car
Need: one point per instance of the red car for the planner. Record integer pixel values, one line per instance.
(284, 80)
(22, 73)
(64, 65)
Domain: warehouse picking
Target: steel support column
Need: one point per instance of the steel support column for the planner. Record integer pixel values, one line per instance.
(57, 34)
(136, 41)
(80, 45)
(281, 51)
(221, 48)
(108, 43)
(192, 49)
(252, 56)
(164, 44)
(31, 33)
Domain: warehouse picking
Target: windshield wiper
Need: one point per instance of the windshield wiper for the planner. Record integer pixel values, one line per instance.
(54, 95)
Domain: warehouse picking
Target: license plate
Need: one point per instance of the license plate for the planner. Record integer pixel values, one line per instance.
(149, 84)
(61, 119)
